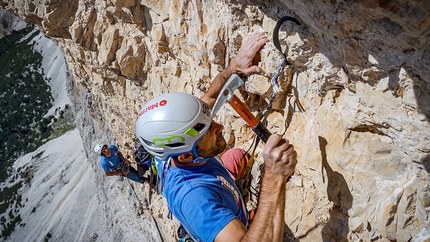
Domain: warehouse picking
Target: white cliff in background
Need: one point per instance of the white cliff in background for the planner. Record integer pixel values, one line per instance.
(64, 200)
(55, 69)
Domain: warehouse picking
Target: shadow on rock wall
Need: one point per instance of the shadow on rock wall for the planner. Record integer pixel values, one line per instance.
(379, 47)
(380, 43)
(426, 163)
(423, 101)
(288, 235)
(336, 228)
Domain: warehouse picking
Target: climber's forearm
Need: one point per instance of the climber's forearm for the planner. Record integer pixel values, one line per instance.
(216, 86)
(269, 219)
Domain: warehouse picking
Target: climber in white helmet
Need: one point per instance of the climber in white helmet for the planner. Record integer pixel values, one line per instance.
(115, 164)
(178, 130)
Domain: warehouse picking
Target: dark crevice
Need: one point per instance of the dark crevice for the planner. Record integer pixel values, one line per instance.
(374, 129)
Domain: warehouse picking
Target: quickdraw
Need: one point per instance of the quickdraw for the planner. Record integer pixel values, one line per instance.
(244, 182)
(276, 76)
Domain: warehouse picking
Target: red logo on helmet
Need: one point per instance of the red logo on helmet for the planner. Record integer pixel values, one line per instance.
(150, 107)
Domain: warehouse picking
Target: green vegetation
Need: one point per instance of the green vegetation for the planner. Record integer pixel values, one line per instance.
(64, 123)
(48, 236)
(10, 197)
(10, 227)
(25, 98)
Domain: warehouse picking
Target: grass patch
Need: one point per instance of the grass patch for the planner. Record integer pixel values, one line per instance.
(10, 196)
(9, 226)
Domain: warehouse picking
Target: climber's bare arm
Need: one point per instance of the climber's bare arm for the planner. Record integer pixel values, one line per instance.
(268, 225)
(241, 64)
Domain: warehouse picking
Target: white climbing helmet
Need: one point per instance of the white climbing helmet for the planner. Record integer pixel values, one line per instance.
(98, 149)
(172, 124)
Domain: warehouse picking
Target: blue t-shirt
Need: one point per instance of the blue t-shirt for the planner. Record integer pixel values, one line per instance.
(110, 163)
(204, 198)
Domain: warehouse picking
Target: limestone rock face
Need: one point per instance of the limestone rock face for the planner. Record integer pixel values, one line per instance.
(363, 147)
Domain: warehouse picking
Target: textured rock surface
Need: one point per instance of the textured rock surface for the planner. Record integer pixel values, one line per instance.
(364, 149)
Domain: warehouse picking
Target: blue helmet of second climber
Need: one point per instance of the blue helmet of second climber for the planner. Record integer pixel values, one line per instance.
(172, 124)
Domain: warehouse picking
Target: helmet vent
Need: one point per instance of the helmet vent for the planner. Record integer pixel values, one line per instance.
(149, 143)
(175, 145)
(199, 127)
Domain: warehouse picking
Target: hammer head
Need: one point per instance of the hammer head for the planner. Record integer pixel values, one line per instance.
(227, 92)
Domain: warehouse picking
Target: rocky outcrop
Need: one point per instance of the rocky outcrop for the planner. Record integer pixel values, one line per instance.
(364, 156)
(9, 22)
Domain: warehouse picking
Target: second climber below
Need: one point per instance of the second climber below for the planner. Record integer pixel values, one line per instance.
(115, 164)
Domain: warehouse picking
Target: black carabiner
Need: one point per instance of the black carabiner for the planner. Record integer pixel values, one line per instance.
(276, 32)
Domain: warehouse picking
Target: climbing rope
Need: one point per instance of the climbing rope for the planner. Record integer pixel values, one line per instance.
(146, 208)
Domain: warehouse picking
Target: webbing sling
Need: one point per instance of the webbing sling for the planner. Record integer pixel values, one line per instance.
(243, 181)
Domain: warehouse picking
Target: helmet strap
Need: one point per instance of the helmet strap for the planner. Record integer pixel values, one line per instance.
(197, 158)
